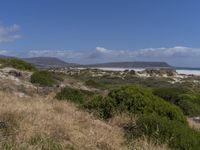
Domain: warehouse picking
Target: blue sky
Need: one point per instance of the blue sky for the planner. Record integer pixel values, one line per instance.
(94, 31)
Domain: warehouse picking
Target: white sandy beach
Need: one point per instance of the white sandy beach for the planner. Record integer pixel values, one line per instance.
(181, 71)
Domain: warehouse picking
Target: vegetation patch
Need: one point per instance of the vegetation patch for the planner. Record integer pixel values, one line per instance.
(94, 84)
(134, 100)
(187, 100)
(74, 95)
(177, 135)
(157, 119)
(43, 78)
(160, 111)
(17, 64)
(103, 107)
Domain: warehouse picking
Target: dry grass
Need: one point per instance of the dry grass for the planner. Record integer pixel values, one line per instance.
(145, 144)
(46, 123)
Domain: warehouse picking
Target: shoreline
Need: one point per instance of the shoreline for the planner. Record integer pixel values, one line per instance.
(179, 71)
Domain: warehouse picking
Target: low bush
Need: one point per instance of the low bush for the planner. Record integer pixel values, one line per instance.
(169, 94)
(16, 63)
(93, 83)
(102, 107)
(177, 135)
(188, 101)
(43, 78)
(74, 95)
(189, 104)
(135, 100)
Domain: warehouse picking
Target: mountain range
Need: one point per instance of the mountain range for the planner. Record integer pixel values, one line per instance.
(53, 62)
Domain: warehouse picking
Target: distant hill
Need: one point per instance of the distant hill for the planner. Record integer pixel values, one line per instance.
(136, 64)
(53, 62)
(48, 62)
(3, 56)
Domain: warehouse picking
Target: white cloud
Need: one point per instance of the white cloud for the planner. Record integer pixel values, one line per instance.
(167, 52)
(64, 54)
(151, 52)
(3, 52)
(9, 33)
(102, 50)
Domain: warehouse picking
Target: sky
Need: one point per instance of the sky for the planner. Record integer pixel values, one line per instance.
(96, 31)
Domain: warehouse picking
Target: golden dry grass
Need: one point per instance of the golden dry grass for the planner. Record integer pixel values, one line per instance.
(145, 144)
(45, 118)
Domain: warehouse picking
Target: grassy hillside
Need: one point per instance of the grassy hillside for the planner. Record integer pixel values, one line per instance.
(156, 119)
(45, 123)
(48, 110)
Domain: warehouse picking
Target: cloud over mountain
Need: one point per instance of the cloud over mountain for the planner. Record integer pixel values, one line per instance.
(179, 55)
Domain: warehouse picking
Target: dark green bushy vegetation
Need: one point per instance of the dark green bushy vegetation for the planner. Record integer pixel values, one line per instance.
(93, 83)
(16, 63)
(74, 95)
(188, 101)
(103, 107)
(177, 135)
(108, 82)
(189, 104)
(170, 94)
(43, 78)
(135, 100)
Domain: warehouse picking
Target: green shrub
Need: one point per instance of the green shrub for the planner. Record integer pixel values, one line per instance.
(103, 107)
(177, 135)
(93, 83)
(139, 100)
(43, 78)
(169, 94)
(57, 76)
(94, 104)
(189, 104)
(16, 63)
(74, 95)
(188, 101)
(135, 100)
